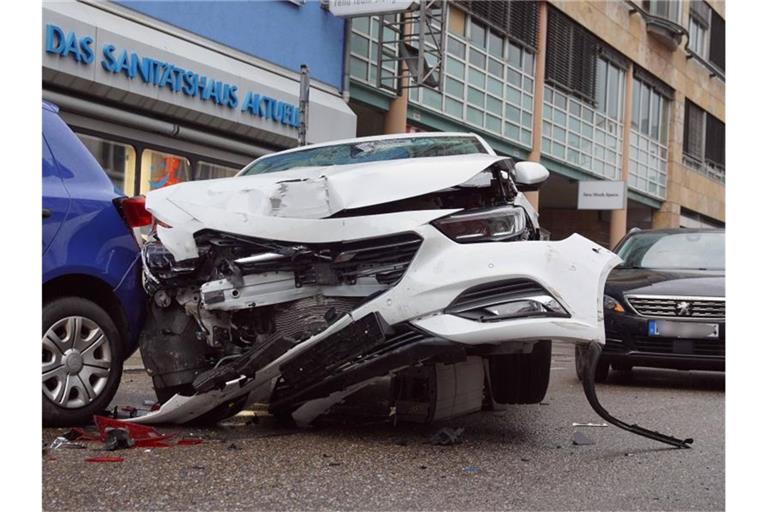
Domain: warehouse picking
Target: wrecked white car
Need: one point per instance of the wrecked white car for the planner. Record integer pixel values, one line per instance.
(321, 270)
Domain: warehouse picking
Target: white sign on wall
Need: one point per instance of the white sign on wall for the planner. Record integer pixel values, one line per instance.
(352, 8)
(602, 195)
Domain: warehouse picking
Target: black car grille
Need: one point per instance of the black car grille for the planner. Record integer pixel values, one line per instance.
(680, 346)
(678, 307)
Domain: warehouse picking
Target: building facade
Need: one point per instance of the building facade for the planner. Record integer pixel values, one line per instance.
(162, 94)
(619, 90)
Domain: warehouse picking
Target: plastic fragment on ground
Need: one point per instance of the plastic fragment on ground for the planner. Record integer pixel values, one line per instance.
(447, 436)
(580, 439)
(118, 439)
(143, 436)
(104, 459)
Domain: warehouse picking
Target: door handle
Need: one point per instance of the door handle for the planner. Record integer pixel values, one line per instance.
(46, 213)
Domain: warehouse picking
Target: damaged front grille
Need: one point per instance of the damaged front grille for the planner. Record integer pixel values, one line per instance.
(384, 259)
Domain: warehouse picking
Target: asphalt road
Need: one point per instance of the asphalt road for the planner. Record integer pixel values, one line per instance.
(521, 458)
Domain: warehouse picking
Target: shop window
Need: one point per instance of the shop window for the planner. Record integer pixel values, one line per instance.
(118, 161)
(208, 171)
(160, 170)
(704, 142)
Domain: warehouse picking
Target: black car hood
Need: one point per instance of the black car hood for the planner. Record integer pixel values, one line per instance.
(683, 283)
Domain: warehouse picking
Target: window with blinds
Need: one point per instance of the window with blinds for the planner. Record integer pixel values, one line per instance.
(693, 136)
(518, 20)
(704, 141)
(715, 141)
(717, 41)
(571, 56)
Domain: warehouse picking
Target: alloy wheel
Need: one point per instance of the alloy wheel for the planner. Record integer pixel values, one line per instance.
(77, 358)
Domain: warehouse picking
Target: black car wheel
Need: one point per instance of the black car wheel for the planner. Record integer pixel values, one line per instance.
(82, 361)
(521, 378)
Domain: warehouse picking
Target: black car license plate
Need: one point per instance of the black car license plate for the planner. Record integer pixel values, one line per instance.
(673, 329)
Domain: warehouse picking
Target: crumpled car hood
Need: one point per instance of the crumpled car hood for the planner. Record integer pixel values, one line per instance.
(319, 192)
(294, 205)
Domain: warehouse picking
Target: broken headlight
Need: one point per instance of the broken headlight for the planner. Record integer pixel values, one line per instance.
(488, 225)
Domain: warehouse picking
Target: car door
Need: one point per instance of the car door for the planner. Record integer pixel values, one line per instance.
(56, 199)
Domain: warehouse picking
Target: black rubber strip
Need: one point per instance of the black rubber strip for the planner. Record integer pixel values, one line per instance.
(589, 362)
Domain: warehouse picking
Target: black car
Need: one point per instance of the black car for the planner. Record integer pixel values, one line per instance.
(665, 303)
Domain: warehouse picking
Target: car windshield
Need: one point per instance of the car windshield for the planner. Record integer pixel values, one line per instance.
(366, 151)
(659, 250)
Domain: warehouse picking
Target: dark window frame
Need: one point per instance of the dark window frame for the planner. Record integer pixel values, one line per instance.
(703, 137)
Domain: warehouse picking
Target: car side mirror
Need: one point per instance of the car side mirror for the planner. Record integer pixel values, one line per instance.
(529, 176)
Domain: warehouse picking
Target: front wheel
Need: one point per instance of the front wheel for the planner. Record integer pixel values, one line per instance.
(521, 378)
(82, 361)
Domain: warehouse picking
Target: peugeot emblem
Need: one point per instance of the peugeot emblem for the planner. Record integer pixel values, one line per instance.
(683, 308)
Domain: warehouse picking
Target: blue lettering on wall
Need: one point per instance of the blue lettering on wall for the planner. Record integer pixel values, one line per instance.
(167, 75)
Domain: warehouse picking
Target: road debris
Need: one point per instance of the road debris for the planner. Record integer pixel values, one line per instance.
(580, 439)
(447, 436)
(472, 470)
(63, 442)
(118, 439)
(77, 433)
(589, 424)
(142, 436)
(104, 459)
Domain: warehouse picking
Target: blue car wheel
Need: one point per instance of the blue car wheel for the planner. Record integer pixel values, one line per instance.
(81, 361)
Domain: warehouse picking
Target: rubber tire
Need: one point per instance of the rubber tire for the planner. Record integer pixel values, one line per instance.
(601, 373)
(521, 378)
(62, 307)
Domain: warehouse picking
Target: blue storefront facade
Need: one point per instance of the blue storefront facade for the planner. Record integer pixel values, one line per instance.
(162, 94)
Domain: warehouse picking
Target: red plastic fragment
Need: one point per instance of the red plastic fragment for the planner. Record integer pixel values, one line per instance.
(104, 459)
(143, 436)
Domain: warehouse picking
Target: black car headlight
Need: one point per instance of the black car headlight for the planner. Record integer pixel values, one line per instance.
(612, 304)
(487, 225)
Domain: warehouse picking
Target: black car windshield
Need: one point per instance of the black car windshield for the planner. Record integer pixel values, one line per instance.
(660, 250)
(367, 151)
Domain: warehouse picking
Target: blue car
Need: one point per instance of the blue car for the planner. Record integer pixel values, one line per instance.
(93, 301)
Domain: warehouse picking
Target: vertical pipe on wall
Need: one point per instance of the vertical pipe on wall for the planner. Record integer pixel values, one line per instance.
(396, 118)
(303, 105)
(619, 217)
(538, 94)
